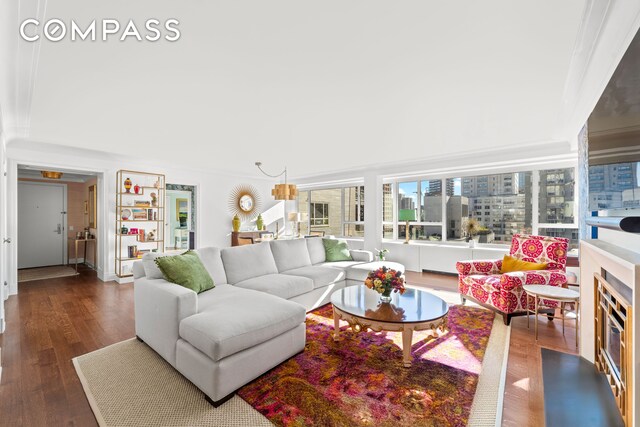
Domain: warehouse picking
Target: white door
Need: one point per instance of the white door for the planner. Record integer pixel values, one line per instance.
(41, 224)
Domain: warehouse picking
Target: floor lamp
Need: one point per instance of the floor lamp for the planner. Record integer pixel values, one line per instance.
(406, 215)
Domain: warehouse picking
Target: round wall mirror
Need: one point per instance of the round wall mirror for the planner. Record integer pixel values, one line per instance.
(246, 203)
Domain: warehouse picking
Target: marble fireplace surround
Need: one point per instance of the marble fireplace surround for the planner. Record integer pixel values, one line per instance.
(624, 264)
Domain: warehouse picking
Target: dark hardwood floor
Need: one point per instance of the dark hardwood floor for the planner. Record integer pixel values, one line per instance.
(52, 321)
(49, 323)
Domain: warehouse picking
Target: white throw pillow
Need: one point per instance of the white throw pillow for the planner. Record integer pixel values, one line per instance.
(151, 270)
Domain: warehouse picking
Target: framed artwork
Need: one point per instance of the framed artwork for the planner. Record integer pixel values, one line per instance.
(91, 206)
(140, 214)
(182, 211)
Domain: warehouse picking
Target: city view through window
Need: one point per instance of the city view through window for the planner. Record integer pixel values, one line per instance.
(501, 203)
(615, 186)
(333, 211)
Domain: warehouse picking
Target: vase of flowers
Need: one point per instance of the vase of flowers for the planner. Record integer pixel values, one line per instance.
(384, 281)
(381, 254)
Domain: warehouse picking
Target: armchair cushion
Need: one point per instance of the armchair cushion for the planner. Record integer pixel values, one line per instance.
(510, 264)
(479, 267)
(552, 250)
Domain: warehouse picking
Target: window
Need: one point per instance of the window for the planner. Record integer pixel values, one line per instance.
(425, 198)
(614, 186)
(319, 214)
(334, 211)
(502, 208)
(569, 233)
(303, 208)
(353, 211)
(387, 211)
(431, 201)
(556, 196)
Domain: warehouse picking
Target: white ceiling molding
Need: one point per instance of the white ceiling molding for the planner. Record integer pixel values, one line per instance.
(28, 55)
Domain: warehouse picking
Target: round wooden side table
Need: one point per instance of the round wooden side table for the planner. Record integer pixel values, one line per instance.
(552, 293)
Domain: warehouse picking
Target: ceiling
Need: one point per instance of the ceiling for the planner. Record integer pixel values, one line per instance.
(317, 86)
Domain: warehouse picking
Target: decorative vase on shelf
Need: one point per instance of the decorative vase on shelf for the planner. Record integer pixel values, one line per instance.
(259, 222)
(236, 223)
(136, 189)
(154, 199)
(127, 185)
(472, 243)
(385, 297)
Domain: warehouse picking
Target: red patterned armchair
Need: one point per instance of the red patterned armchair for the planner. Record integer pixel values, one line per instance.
(482, 281)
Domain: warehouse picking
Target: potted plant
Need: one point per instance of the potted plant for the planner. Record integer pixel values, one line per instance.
(472, 227)
(381, 254)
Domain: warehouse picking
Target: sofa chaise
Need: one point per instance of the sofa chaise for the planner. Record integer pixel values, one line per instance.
(254, 318)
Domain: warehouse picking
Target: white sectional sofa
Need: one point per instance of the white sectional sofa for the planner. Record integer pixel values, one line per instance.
(254, 318)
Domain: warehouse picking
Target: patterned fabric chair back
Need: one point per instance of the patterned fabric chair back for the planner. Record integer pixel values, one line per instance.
(552, 250)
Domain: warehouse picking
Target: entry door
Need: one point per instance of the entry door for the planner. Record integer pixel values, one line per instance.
(41, 224)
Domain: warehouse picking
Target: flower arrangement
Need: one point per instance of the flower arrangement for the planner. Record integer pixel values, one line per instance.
(384, 280)
(381, 253)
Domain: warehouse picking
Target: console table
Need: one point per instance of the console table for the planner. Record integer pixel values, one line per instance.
(236, 235)
(95, 252)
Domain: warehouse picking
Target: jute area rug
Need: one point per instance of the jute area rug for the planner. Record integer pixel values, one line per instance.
(128, 384)
(40, 273)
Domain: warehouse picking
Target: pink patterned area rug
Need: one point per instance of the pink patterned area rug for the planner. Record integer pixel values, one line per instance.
(360, 380)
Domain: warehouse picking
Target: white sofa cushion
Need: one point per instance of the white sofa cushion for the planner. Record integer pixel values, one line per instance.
(280, 285)
(151, 270)
(290, 254)
(248, 261)
(321, 276)
(239, 320)
(360, 271)
(339, 264)
(317, 253)
(212, 261)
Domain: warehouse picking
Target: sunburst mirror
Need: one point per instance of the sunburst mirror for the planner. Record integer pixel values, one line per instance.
(244, 201)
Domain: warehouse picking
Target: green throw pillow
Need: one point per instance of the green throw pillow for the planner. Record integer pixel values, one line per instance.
(185, 270)
(336, 250)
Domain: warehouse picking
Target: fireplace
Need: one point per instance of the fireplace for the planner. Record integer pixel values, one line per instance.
(613, 346)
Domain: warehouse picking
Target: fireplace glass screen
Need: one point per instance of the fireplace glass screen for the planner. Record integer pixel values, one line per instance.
(612, 345)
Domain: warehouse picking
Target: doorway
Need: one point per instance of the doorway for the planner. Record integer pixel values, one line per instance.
(180, 216)
(56, 223)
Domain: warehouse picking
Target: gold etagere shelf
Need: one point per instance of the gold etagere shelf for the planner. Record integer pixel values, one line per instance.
(140, 199)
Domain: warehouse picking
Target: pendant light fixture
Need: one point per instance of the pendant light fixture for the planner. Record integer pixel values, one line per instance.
(51, 174)
(284, 191)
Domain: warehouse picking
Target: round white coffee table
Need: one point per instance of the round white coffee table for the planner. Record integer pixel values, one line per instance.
(552, 293)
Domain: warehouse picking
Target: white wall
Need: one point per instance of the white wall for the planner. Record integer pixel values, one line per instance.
(4, 291)
(213, 189)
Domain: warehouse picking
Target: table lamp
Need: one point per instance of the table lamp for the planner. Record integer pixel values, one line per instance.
(406, 215)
